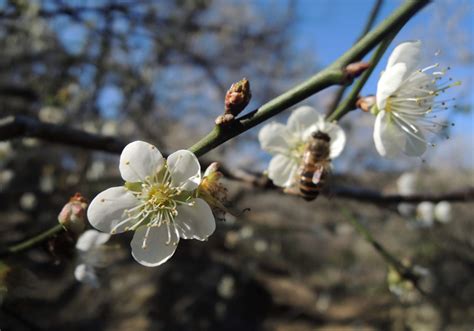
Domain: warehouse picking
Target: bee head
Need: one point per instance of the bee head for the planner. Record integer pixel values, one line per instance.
(321, 135)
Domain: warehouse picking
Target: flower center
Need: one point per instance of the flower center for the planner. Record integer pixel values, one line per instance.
(159, 201)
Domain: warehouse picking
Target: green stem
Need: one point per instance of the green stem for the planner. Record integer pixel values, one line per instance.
(348, 103)
(332, 75)
(404, 271)
(368, 25)
(36, 240)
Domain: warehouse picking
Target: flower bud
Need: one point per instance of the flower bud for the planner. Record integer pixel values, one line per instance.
(236, 99)
(73, 214)
(212, 190)
(354, 70)
(366, 103)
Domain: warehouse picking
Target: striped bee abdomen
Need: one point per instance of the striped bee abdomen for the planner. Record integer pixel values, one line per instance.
(312, 180)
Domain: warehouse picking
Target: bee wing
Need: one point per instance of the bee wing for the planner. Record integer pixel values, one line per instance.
(318, 174)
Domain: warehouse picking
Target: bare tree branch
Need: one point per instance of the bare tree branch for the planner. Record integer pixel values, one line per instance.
(24, 126)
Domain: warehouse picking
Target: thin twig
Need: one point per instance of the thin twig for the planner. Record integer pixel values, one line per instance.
(404, 271)
(368, 25)
(32, 242)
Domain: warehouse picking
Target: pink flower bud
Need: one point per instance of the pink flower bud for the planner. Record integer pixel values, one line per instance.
(237, 97)
(73, 214)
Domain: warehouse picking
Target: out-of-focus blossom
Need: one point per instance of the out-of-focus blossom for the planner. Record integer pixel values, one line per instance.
(287, 143)
(6, 177)
(28, 201)
(91, 255)
(51, 114)
(158, 202)
(110, 128)
(406, 185)
(443, 212)
(425, 213)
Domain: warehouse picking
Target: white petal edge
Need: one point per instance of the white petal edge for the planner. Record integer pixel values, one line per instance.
(195, 222)
(157, 251)
(185, 170)
(415, 143)
(409, 53)
(138, 160)
(388, 138)
(86, 274)
(91, 239)
(108, 209)
(282, 170)
(275, 138)
(301, 119)
(337, 135)
(389, 82)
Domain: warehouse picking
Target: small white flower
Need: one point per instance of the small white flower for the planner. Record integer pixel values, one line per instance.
(442, 212)
(91, 255)
(287, 142)
(158, 202)
(406, 103)
(425, 213)
(406, 185)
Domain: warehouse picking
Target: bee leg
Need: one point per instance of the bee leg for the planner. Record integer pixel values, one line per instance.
(292, 190)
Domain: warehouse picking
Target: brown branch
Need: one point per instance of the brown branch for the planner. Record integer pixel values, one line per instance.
(359, 194)
(25, 126)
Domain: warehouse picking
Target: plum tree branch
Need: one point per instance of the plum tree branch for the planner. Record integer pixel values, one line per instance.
(25, 126)
(332, 75)
(368, 25)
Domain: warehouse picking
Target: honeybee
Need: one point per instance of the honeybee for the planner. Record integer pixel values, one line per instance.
(315, 166)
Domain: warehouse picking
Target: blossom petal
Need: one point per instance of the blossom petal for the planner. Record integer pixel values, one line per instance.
(152, 246)
(275, 138)
(139, 160)
(415, 143)
(301, 119)
(282, 170)
(107, 209)
(337, 135)
(389, 82)
(195, 222)
(408, 53)
(388, 138)
(185, 170)
(86, 274)
(91, 239)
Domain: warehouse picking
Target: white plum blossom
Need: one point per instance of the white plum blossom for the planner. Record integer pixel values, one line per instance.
(406, 185)
(91, 255)
(287, 143)
(158, 202)
(443, 212)
(406, 103)
(425, 213)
